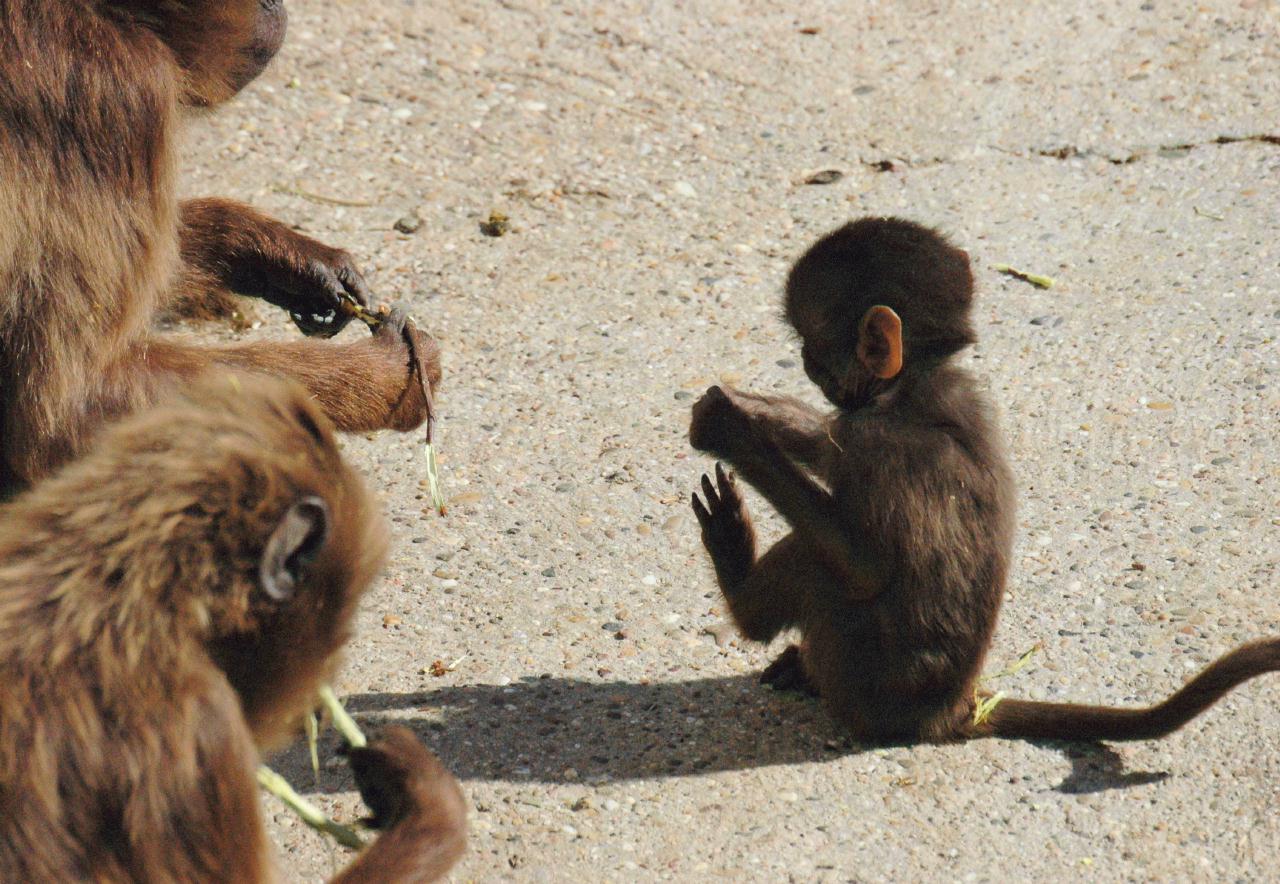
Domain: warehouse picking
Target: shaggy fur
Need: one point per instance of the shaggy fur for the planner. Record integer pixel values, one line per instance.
(142, 664)
(93, 240)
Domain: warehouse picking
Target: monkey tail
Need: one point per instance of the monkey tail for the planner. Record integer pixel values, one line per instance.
(1030, 720)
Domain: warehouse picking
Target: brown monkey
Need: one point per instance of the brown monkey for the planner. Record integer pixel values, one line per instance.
(93, 240)
(169, 603)
(895, 566)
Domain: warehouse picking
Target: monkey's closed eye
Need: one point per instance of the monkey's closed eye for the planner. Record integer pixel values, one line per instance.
(292, 546)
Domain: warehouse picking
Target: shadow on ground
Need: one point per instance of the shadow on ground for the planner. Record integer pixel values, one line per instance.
(558, 730)
(565, 730)
(1096, 767)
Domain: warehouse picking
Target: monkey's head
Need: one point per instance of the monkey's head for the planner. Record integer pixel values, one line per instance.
(224, 519)
(221, 47)
(874, 297)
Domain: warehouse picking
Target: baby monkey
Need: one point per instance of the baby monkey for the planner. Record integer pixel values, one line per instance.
(895, 566)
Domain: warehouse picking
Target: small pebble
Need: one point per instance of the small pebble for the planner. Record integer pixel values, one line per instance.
(409, 224)
(723, 633)
(497, 224)
(826, 176)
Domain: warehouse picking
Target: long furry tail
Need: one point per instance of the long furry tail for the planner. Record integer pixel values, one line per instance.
(1030, 720)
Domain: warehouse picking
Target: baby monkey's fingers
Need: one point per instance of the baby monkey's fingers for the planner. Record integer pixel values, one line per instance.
(704, 517)
(709, 492)
(727, 483)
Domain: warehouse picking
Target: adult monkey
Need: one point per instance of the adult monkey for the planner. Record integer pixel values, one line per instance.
(169, 603)
(895, 567)
(93, 241)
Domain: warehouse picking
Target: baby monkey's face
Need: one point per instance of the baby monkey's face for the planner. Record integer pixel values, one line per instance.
(823, 373)
(830, 360)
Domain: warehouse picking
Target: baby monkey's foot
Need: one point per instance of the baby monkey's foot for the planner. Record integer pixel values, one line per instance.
(786, 673)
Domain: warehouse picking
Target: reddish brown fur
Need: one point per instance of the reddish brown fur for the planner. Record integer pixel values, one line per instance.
(221, 45)
(895, 567)
(142, 663)
(93, 241)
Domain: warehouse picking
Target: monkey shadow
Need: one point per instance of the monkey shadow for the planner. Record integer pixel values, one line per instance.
(1096, 767)
(562, 730)
(559, 730)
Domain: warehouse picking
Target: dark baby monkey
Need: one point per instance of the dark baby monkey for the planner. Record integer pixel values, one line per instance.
(901, 508)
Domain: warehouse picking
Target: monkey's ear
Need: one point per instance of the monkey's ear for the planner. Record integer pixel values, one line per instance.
(292, 545)
(880, 342)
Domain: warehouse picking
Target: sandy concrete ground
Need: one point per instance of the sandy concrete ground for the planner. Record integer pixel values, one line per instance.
(651, 157)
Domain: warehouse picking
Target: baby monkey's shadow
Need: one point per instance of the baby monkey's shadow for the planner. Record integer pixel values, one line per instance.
(561, 730)
(558, 730)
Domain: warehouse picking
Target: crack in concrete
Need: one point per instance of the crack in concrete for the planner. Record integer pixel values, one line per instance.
(891, 165)
(1070, 151)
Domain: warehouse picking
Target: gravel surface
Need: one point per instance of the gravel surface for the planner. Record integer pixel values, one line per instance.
(652, 160)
